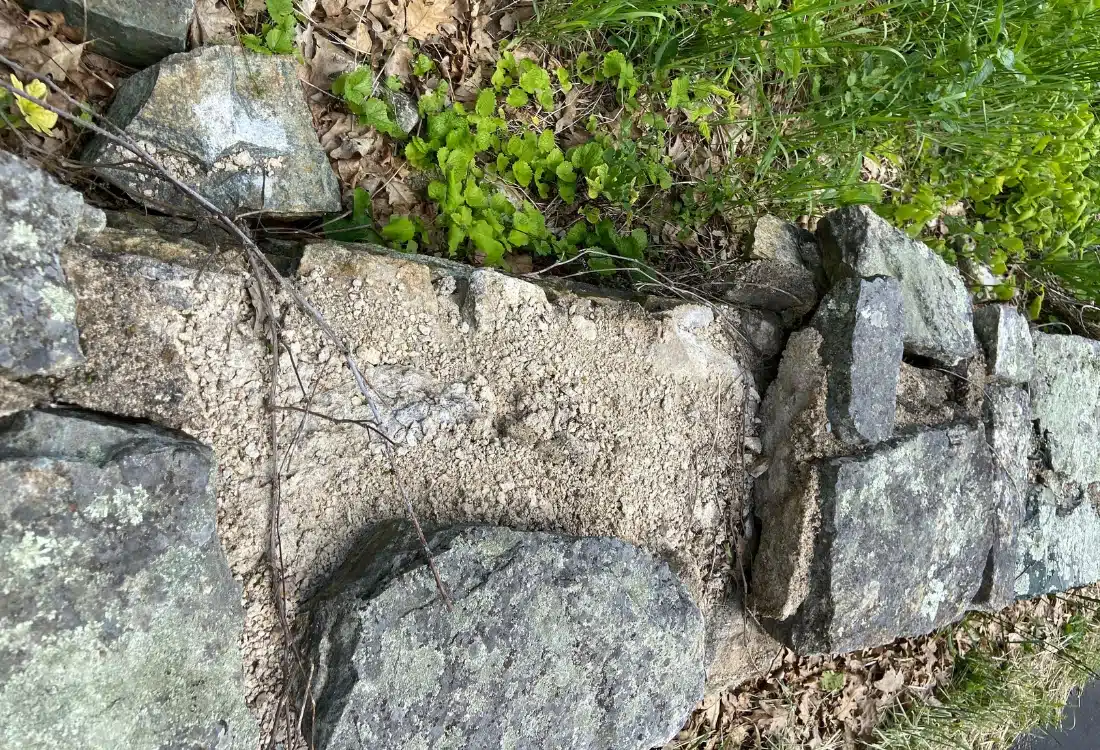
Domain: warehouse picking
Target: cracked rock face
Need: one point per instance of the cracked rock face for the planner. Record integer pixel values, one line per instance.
(120, 620)
(553, 642)
(131, 31)
(856, 242)
(232, 124)
(893, 548)
(38, 216)
(1061, 534)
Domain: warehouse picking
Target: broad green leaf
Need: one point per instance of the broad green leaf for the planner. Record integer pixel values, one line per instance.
(280, 9)
(399, 229)
(521, 171)
(517, 98)
(486, 103)
(546, 141)
(535, 80)
(254, 43)
(563, 79)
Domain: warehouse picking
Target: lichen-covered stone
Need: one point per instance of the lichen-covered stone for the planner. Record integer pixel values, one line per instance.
(38, 216)
(1006, 338)
(1065, 402)
(405, 112)
(1007, 416)
(134, 32)
(862, 324)
(230, 123)
(856, 242)
(120, 620)
(1060, 537)
(553, 642)
(890, 543)
(775, 239)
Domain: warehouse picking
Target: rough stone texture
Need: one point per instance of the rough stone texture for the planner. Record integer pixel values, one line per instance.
(775, 239)
(938, 321)
(925, 398)
(1007, 417)
(517, 406)
(553, 642)
(774, 285)
(887, 545)
(38, 334)
(405, 112)
(862, 325)
(232, 124)
(1006, 338)
(1060, 537)
(120, 619)
(131, 31)
(737, 647)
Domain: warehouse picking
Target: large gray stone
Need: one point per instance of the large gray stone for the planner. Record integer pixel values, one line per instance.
(120, 620)
(775, 239)
(1059, 542)
(863, 326)
(891, 543)
(774, 285)
(1006, 338)
(1007, 416)
(38, 216)
(134, 32)
(938, 320)
(232, 124)
(553, 642)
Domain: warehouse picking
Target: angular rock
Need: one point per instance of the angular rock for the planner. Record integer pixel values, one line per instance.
(1065, 403)
(133, 32)
(888, 544)
(1006, 339)
(856, 242)
(38, 216)
(405, 112)
(1007, 415)
(120, 620)
(774, 285)
(862, 324)
(232, 124)
(565, 642)
(1060, 537)
(775, 239)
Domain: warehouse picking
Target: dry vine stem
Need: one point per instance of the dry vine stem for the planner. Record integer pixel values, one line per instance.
(261, 268)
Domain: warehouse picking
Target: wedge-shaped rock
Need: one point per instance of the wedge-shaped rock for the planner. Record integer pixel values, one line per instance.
(38, 216)
(134, 32)
(938, 320)
(553, 642)
(862, 324)
(120, 621)
(889, 544)
(1006, 338)
(1059, 542)
(232, 124)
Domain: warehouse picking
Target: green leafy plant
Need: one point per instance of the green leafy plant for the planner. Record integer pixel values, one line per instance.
(276, 37)
(356, 89)
(356, 227)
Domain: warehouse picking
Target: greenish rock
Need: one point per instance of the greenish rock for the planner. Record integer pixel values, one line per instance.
(554, 642)
(230, 123)
(891, 543)
(134, 32)
(405, 112)
(856, 242)
(862, 325)
(1006, 339)
(1006, 411)
(120, 620)
(1059, 542)
(38, 217)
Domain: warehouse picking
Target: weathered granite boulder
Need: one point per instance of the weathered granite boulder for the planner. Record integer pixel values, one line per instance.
(1061, 535)
(862, 326)
(38, 216)
(774, 285)
(1006, 339)
(775, 239)
(856, 242)
(120, 619)
(553, 642)
(131, 31)
(1007, 416)
(889, 543)
(232, 124)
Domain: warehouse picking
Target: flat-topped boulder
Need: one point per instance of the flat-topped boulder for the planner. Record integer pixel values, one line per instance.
(121, 620)
(134, 32)
(552, 642)
(232, 124)
(889, 543)
(1005, 337)
(856, 242)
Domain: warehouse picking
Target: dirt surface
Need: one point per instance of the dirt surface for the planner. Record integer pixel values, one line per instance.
(508, 405)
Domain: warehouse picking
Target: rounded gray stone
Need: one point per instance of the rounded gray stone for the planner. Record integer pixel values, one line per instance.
(553, 642)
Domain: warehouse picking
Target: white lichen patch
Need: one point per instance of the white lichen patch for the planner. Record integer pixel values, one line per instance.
(124, 504)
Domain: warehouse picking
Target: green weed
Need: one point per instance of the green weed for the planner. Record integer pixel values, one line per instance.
(276, 37)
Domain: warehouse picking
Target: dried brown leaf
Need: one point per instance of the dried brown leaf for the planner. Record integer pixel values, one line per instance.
(360, 39)
(423, 17)
(213, 23)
